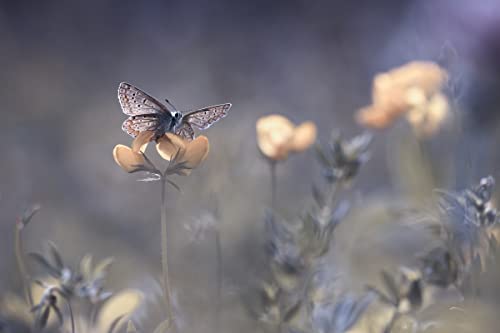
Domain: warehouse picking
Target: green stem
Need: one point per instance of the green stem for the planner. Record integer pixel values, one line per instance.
(71, 316)
(272, 165)
(18, 249)
(164, 259)
(218, 279)
(331, 197)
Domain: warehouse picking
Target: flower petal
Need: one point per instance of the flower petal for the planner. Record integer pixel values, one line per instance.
(304, 136)
(196, 152)
(141, 141)
(373, 117)
(169, 144)
(127, 159)
(274, 136)
(429, 117)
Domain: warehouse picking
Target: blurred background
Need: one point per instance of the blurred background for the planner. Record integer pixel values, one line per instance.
(62, 61)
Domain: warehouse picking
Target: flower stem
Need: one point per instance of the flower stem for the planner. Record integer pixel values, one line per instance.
(167, 294)
(272, 165)
(21, 266)
(218, 279)
(71, 316)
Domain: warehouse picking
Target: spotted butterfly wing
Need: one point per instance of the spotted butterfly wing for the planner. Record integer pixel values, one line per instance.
(204, 118)
(201, 119)
(186, 131)
(136, 102)
(136, 124)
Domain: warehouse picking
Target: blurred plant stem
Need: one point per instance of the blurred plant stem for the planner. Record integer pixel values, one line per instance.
(218, 278)
(331, 196)
(71, 315)
(167, 294)
(272, 165)
(21, 266)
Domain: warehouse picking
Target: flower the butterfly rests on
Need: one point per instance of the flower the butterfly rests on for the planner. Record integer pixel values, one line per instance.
(182, 154)
(148, 114)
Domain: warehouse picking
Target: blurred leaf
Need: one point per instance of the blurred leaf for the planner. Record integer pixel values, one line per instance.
(43, 317)
(29, 213)
(391, 286)
(174, 185)
(151, 178)
(162, 327)
(121, 304)
(59, 314)
(43, 262)
(292, 312)
(114, 324)
(318, 196)
(101, 268)
(86, 266)
(54, 253)
(131, 327)
(322, 158)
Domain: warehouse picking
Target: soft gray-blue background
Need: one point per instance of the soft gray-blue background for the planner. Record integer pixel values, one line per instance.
(60, 65)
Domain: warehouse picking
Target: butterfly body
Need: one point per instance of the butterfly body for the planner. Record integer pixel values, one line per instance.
(148, 114)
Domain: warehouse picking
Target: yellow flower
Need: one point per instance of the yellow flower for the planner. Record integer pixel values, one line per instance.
(412, 90)
(183, 155)
(132, 159)
(277, 136)
(427, 117)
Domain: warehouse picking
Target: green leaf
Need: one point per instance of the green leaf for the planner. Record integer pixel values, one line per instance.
(101, 269)
(174, 185)
(45, 264)
(114, 324)
(86, 266)
(391, 286)
(54, 253)
(131, 327)
(163, 326)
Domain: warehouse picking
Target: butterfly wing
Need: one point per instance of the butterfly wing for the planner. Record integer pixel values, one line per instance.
(204, 118)
(186, 131)
(136, 102)
(136, 124)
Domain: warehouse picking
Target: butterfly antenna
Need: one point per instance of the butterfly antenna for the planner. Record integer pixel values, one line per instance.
(169, 103)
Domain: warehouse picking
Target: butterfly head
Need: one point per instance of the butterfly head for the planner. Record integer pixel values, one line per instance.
(177, 115)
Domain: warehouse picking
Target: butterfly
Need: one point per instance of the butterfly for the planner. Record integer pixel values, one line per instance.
(148, 114)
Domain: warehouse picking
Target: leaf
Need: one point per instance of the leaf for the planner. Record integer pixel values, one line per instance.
(321, 157)
(58, 313)
(86, 266)
(292, 311)
(114, 324)
(163, 326)
(121, 304)
(100, 270)
(56, 256)
(131, 327)
(174, 185)
(391, 286)
(43, 317)
(29, 213)
(153, 177)
(43, 262)
(318, 196)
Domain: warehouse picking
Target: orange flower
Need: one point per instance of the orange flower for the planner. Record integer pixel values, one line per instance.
(412, 90)
(277, 136)
(183, 155)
